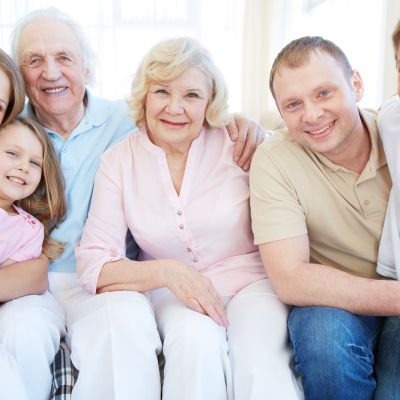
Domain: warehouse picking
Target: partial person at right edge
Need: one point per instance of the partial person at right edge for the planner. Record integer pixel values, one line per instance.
(388, 365)
(319, 191)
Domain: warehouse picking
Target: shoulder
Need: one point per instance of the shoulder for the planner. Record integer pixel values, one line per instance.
(33, 223)
(389, 110)
(100, 110)
(122, 149)
(280, 148)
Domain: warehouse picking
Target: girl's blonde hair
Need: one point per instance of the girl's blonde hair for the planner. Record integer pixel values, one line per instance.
(17, 95)
(166, 61)
(47, 203)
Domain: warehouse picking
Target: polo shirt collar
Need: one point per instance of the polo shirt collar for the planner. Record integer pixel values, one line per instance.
(97, 111)
(377, 157)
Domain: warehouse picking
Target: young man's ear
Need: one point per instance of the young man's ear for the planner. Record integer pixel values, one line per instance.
(357, 85)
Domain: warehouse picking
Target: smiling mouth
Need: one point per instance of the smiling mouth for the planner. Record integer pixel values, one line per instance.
(55, 90)
(17, 180)
(320, 131)
(174, 123)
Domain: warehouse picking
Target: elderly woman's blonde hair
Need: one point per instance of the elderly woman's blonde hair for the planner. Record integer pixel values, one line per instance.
(166, 61)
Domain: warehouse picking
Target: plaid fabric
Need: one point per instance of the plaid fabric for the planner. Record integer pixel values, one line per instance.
(64, 374)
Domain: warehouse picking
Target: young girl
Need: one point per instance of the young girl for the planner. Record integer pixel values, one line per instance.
(31, 190)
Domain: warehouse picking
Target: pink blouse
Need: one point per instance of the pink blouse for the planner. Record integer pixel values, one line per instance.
(21, 236)
(206, 226)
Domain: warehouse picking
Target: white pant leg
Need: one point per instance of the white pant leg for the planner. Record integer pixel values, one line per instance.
(258, 343)
(195, 349)
(114, 344)
(30, 331)
(10, 379)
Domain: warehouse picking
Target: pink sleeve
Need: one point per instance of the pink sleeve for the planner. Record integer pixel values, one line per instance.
(103, 238)
(32, 248)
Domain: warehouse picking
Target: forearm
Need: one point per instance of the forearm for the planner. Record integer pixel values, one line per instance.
(23, 278)
(319, 285)
(139, 276)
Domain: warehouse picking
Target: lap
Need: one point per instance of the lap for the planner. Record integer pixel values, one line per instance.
(175, 318)
(25, 313)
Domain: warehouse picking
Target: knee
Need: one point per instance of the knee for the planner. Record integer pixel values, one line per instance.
(115, 316)
(30, 321)
(330, 337)
(199, 335)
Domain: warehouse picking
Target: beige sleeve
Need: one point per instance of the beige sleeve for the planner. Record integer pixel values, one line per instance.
(275, 209)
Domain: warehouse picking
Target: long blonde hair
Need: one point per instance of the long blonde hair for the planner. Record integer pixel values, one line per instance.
(17, 95)
(47, 203)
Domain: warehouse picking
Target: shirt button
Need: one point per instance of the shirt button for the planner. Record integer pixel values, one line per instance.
(366, 202)
(181, 226)
(188, 249)
(195, 259)
(179, 212)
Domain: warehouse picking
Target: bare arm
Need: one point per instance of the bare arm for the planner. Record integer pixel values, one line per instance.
(247, 135)
(191, 287)
(299, 282)
(24, 278)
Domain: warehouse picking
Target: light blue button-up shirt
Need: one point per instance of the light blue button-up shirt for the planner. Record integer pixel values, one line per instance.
(105, 122)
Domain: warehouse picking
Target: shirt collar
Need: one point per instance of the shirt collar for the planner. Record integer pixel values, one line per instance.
(377, 157)
(97, 111)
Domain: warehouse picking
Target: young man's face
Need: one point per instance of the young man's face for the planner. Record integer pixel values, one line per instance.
(318, 103)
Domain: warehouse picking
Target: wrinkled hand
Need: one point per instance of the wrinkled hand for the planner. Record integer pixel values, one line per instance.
(247, 135)
(195, 291)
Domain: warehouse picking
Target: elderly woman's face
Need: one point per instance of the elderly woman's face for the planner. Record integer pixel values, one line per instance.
(5, 93)
(175, 110)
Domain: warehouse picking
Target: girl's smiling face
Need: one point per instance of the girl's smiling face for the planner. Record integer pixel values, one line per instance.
(21, 159)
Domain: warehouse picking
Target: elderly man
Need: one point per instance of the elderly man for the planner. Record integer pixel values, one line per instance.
(55, 61)
(319, 195)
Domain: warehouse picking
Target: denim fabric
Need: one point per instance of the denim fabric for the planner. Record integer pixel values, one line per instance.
(387, 365)
(334, 352)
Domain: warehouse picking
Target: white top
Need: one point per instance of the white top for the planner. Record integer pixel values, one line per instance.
(389, 248)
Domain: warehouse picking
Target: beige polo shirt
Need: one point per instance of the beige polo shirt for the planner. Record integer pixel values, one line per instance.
(295, 192)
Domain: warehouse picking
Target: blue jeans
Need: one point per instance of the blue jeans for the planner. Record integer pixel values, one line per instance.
(334, 352)
(387, 366)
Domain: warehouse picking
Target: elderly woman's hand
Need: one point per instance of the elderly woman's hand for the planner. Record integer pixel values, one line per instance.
(195, 291)
(247, 135)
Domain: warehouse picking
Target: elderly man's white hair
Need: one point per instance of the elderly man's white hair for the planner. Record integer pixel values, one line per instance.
(55, 14)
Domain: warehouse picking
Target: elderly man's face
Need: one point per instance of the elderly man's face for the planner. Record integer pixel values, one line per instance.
(50, 59)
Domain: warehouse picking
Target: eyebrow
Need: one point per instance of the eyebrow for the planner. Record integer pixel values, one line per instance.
(32, 53)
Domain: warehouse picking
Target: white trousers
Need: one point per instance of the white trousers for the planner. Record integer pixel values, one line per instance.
(114, 342)
(248, 362)
(30, 330)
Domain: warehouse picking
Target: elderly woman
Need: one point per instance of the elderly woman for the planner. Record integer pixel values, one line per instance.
(174, 185)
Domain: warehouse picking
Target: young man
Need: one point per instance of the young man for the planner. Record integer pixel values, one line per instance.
(319, 194)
